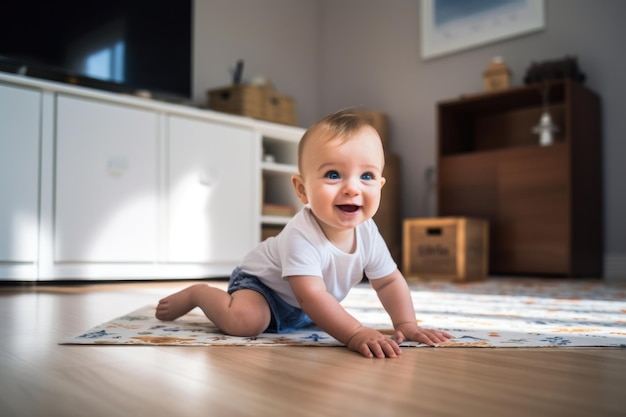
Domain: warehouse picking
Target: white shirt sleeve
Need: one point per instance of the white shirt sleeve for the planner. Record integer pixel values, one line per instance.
(379, 262)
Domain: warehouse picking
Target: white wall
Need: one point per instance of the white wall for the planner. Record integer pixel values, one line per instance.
(330, 54)
(370, 55)
(276, 39)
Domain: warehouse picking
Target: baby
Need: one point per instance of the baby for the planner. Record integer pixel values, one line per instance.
(300, 276)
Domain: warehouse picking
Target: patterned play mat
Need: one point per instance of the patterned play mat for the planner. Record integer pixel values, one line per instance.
(499, 312)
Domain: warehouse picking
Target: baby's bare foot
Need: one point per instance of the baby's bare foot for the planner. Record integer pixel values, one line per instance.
(175, 305)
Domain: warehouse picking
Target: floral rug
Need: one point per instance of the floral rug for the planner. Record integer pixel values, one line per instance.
(498, 312)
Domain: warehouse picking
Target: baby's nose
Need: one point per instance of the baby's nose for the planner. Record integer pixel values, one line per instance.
(352, 186)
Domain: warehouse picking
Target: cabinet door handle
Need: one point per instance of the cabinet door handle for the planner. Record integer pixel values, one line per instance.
(208, 177)
(117, 166)
(205, 180)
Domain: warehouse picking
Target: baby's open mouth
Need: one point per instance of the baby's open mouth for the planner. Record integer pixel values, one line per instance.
(348, 207)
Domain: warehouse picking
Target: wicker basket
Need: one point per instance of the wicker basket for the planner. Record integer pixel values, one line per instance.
(259, 102)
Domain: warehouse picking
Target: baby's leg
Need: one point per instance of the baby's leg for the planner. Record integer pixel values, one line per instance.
(178, 304)
(245, 313)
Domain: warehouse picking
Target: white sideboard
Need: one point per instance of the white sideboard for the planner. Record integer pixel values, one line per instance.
(97, 185)
(20, 116)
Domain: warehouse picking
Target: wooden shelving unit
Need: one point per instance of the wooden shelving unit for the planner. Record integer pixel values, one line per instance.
(543, 203)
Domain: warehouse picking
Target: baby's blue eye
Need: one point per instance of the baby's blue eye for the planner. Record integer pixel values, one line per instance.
(333, 175)
(367, 176)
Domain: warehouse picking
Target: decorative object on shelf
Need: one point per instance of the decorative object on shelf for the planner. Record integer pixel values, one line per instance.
(497, 75)
(238, 72)
(546, 127)
(554, 70)
(267, 156)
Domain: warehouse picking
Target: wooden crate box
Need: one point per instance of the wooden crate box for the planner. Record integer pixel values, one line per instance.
(449, 248)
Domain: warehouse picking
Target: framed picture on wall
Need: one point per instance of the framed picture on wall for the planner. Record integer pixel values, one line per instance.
(450, 26)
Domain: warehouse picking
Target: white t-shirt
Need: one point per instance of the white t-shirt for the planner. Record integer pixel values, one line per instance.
(301, 248)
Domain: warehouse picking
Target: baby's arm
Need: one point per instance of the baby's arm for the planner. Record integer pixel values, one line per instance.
(395, 296)
(328, 314)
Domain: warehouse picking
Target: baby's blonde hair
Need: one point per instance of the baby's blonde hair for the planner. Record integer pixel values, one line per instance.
(339, 125)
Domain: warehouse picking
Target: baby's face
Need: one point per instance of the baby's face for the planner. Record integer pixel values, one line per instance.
(341, 179)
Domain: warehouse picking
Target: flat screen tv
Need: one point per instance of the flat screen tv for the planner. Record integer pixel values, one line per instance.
(128, 46)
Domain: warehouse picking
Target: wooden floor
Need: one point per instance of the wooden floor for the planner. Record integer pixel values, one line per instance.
(38, 377)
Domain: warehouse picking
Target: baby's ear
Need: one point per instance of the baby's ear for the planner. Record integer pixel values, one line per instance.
(298, 185)
(383, 181)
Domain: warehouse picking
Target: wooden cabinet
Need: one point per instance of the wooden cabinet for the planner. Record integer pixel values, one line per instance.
(543, 203)
(19, 178)
(388, 217)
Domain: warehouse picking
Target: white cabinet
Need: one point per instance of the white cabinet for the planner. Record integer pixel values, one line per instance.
(212, 193)
(280, 162)
(97, 185)
(106, 182)
(19, 175)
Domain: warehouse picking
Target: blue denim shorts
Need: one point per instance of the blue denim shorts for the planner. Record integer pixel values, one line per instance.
(285, 317)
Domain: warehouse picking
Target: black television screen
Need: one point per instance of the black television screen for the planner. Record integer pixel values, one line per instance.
(117, 45)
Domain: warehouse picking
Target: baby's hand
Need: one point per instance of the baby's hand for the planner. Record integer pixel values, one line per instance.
(411, 331)
(371, 343)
